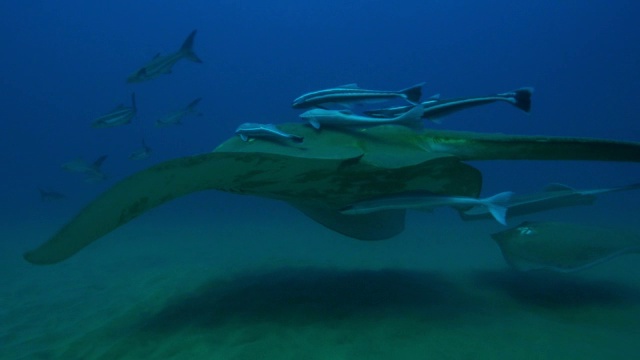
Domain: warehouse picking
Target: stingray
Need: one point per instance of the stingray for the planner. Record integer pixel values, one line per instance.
(563, 247)
(332, 169)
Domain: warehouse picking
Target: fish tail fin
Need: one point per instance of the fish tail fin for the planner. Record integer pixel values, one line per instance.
(413, 94)
(98, 163)
(522, 98)
(187, 48)
(496, 205)
(192, 105)
(413, 117)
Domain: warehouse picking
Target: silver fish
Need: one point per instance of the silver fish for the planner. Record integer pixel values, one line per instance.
(425, 201)
(121, 115)
(437, 108)
(553, 197)
(50, 195)
(341, 118)
(248, 131)
(93, 170)
(175, 117)
(162, 64)
(351, 94)
(562, 247)
(142, 153)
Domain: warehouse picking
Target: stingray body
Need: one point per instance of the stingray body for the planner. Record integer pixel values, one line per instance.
(563, 247)
(330, 170)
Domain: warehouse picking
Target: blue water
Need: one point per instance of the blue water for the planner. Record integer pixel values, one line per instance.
(66, 63)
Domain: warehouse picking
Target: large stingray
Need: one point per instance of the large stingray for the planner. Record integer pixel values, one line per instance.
(563, 247)
(330, 170)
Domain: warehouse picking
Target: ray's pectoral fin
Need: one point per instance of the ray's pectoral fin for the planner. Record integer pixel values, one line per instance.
(374, 226)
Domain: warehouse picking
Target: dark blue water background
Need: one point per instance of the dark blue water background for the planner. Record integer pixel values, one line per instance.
(65, 63)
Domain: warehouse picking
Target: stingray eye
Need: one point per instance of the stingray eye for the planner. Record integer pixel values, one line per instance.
(525, 230)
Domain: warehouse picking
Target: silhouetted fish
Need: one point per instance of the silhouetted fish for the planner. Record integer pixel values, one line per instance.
(141, 153)
(50, 195)
(93, 170)
(162, 64)
(121, 115)
(175, 117)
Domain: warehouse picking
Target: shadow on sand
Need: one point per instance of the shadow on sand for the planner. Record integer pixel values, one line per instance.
(303, 296)
(556, 290)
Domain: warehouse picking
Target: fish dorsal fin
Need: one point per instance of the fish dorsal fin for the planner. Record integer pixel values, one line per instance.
(558, 187)
(349, 86)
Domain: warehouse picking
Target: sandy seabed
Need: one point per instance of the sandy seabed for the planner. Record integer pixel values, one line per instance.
(219, 287)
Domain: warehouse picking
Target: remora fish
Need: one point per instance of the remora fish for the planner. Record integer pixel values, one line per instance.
(93, 170)
(50, 195)
(175, 117)
(436, 108)
(247, 131)
(121, 115)
(562, 247)
(424, 201)
(351, 94)
(142, 153)
(318, 117)
(553, 197)
(162, 64)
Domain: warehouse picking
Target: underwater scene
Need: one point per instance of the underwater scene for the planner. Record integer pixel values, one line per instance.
(242, 179)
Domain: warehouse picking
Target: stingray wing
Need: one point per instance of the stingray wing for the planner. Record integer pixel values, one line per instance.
(332, 170)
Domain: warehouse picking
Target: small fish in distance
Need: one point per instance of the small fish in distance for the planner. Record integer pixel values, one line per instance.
(121, 115)
(162, 64)
(142, 153)
(175, 117)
